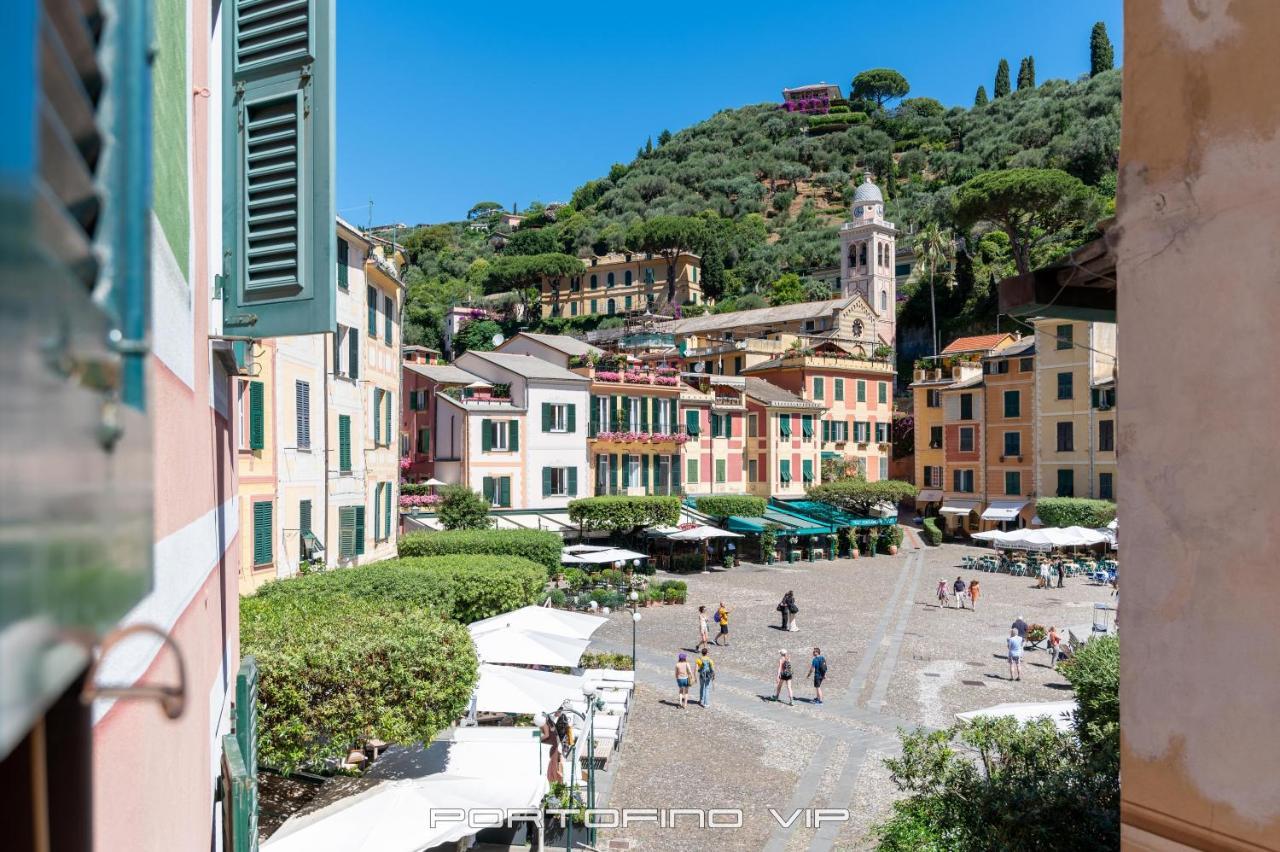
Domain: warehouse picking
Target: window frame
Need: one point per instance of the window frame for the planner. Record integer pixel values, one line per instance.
(1069, 433)
(1016, 482)
(960, 439)
(1066, 391)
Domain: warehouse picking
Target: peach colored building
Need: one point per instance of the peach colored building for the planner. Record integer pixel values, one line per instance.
(625, 283)
(422, 379)
(783, 440)
(257, 446)
(1009, 439)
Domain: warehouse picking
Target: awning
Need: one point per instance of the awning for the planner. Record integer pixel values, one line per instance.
(829, 514)
(930, 495)
(1059, 712)
(1003, 510)
(559, 622)
(960, 507)
(702, 533)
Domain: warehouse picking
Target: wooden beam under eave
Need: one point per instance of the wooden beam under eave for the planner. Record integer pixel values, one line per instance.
(1042, 295)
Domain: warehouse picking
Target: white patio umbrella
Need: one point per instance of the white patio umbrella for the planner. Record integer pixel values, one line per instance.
(604, 556)
(504, 689)
(541, 619)
(1112, 525)
(1059, 711)
(993, 536)
(702, 532)
(528, 647)
(434, 481)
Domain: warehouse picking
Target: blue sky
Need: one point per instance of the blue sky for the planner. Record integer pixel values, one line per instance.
(442, 104)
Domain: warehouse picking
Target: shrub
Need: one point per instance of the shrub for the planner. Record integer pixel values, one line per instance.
(624, 513)
(338, 670)
(891, 536)
(731, 504)
(1075, 512)
(606, 660)
(858, 496)
(1094, 674)
(460, 508)
(539, 546)
(575, 578)
(558, 597)
(768, 541)
(932, 534)
(687, 562)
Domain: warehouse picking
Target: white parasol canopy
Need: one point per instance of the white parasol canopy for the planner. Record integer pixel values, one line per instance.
(1059, 711)
(528, 647)
(702, 532)
(606, 555)
(504, 689)
(541, 619)
(1046, 538)
(434, 481)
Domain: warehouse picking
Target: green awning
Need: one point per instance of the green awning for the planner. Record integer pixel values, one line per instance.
(753, 526)
(831, 515)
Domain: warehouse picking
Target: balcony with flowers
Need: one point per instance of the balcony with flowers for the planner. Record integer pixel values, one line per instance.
(635, 439)
(620, 370)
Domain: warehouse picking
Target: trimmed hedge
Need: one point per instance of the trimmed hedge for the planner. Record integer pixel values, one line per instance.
(722, 506)
(338, 670)
(624, 513)
(932, 534)
(466, 588)
(540, 546)
(1075, 512)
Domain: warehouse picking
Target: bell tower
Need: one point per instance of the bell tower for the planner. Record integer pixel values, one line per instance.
(867, 258)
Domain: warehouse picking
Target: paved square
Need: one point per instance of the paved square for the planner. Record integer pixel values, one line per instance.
(896, 659)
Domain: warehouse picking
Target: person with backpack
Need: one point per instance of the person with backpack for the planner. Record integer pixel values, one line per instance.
(722, 619)
(784, 676)
(784, 607)
(706, 675)
(818, 671)
(959, 588)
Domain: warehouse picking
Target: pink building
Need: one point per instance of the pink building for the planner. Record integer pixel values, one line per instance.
(423, 376)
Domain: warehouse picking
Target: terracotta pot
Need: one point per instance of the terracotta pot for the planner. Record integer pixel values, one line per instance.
(893, 550)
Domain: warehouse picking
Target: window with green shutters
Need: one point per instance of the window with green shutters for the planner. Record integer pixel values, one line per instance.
(1012, 482)
(389, 405)
(784, 472)
(883, 393)
(839, 385)
(675, 474)
(377, 416)
(346, 532)
(627, 300)
(1012, 444)
(353, 353)
(862, 391)
(377, 511)
(487, 489)
(1012, 403)
(302, 414)
(691, 471)
(388, 495)
(720, 470)
(359, 529)
(262, 533)
(424, 441)
(819, 389)
(278, 205)
(691, 423)
(344, 443)
(257, 415)
(373, 312)
(806, 426)
(715, 425)
(389, 310)
(806, 468)
(644, 473)
(784, 425)
(344, 258)
(304, 516)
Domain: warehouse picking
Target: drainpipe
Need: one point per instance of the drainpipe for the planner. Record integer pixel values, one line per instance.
(1089, 377)
(324, 466)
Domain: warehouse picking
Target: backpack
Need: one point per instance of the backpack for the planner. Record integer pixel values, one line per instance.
(786, 669)
(717, 616)
(822, 668)
(706, 670)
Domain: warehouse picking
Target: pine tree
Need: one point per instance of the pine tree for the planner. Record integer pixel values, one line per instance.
(1101, 55)
(1031, 71)
(664, 137)
(648, 145)
(981, 97)
(1002, 78)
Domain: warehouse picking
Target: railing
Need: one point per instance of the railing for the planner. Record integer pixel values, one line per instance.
(674, 434)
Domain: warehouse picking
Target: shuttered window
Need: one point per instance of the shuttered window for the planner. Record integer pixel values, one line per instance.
(691, 422)
(387, 495)
(302, 408)
(721, 464)
(304, 516)
(377, 511)
(819, 391)
(389, 402)
(344, 443)
(883, 392)
(372, 295)
(359, 529)
(806, 426)
(691, 471)
(839, 386)
(261, 533)
(806, 468)
(784, 425)
(388, 308)
(353, 353)
(257, 415)
(784, 472)
(344, 258)
(346, 532)
(862, 391)
(378, 394)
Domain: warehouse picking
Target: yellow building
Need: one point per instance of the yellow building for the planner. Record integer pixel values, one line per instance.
(625, 283)
(256, 445)
(1075, 408)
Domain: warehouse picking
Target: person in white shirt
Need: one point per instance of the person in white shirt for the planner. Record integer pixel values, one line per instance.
(1014, 643)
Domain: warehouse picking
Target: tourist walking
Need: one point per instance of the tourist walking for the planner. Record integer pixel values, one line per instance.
(722, 619)
(818, 671)
(684, 674)
(974, 591)
(703, 628)
(959, 587)
(788, 609)
(706, 674)
(1015, 654)
(1044, 575)
(942, 593)
(1062, 573)
(1020, 625)
(784, 676)
(1055, 642)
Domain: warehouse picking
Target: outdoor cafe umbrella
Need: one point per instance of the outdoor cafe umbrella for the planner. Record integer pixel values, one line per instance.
(528, 647)
(603, 556)
(506, 689)
(556, 622)
(1059, 711)
(702, 532)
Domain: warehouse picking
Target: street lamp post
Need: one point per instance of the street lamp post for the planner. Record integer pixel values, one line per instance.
(634, 598)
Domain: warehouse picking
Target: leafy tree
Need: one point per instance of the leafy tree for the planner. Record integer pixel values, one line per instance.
(858, 496)
(1002, 78)
(664, 137)
(922, 108)
(787, 290)
(879, 85)
(1094, 674)
(669, 236)
(461, 508)
(483, 209)
(624, 514)
(1101, 55)
(934, 250)
(475, 335)
(980, 99)
(1032, 206)
(527, 241)
(723, 506)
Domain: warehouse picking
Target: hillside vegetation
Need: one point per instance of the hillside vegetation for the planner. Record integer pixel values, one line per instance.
(765, 190)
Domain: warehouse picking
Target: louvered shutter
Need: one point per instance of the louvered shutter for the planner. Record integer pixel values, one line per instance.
(572, 418)
(486, 488)
(344, 443)
(675, 473)
(644, 472)
(377, 513)
(626, 471)
(359, 529)
(353, 353)
(674, 417)
(546, 482)
(346, 532)
(388, 401)
(691, 422)
(389, 304)
(302, 397)
(257, 413)
(486, 435)
(504, 491)
(278, 147)
(594, 422)
(372, 298)
(262, 533)
(573, 482)
(377, 416)
(613, 471)
(613, 413)
(546, 417)
(644, 414)
(388, 495)
(513, 435)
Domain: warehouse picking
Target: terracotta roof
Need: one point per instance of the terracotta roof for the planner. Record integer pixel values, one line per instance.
(980, 343)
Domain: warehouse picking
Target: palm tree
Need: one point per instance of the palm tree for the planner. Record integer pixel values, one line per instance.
(935, 250)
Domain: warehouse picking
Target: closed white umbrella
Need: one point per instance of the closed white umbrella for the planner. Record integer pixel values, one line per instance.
(1059, 711)
(504, 689)
(702, 533)
(528, 647)
(608, 555)
(434, 481)
(541, 619)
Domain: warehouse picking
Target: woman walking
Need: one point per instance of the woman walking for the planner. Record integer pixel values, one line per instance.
(703, 627)
(784, 676)
(788, 609)
(942, 593)
(1055, 643)
(974, 591)
(1014, 643)
(684, 674)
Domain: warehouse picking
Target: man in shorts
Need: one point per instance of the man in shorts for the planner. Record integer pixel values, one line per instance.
(722, 618)
(818, 671)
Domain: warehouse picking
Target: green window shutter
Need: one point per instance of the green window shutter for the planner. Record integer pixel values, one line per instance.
(359, 529)
(784, 425)
(613, 414)
(377, 416)
(806, 425)
(806, 468)
(388, 495)
(486, 488)
(262, 533)
(572, 418)
(573, 482)
(346, 532)
(504, 491)
(486, 435)
(546, 482)
(784, 471)
(353, 353)
(675, 473)
(257, 428)
(675, 414)
(720, 470)
(691, 471)
(594, 422)
(644, 414)
(389, 304)
(826, 430)
(388, 401)
(278, 176)
(691, 422)
(884, 392)
(344, 258)
(373, 313)
(513, 435)
(626, 471)
(819, 390)
(546, 417)
(304, 516)
(862, 391)
(613, 471)
(644, 471)
(344, 443)
(377, 511)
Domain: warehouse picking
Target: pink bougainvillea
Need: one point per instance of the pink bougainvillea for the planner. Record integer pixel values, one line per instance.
(642, 437)
(408, 501)
(608, 376)
(635, 377)
(666, 380)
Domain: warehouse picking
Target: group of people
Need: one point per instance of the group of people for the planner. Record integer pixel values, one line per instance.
(959, 591)
(1058, 649)
(1047, 570)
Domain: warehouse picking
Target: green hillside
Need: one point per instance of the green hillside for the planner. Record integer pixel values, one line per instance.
(767, 190)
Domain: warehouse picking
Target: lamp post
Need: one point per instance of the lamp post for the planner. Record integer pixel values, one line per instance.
(593, 704)
(634, 598)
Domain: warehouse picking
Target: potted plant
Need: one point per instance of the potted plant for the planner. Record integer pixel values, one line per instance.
(768, 543)
(873, 540)
(727, 561)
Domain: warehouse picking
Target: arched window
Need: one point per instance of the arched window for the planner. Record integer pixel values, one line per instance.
(884, 301)
(610, 305)
(863, 260)
(609, 283)
(626, 278)
(595, 282)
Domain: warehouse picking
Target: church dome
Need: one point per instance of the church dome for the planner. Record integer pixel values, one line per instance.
(867, 192)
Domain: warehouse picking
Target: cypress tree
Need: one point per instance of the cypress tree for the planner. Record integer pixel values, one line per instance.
(1002, 78)
(1022, 73)
(1027, 73)
(981, 97)
(1101, 55)
(1031, 71)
